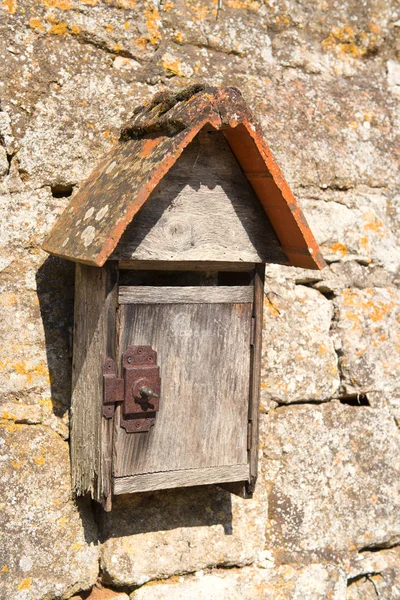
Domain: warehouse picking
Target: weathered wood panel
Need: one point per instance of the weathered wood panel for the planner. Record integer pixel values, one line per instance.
(204, 357)
(184, 478)
(203, 209)
(94, 338)
(185, 295)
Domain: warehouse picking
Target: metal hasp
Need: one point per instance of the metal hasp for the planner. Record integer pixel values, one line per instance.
(142, 388)
(138, 390)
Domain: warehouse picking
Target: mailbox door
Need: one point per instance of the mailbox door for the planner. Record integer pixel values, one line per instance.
(202, 340)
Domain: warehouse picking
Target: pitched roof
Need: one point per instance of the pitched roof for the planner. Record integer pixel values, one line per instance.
(92, 224)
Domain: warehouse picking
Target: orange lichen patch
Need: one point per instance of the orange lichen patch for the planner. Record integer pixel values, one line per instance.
(350, 316)
(60, 4)
(244, 4)
(282, 386)
(372, 223)
(173, 65)
(46, 402)
(342, 34)
(4, 569)
(8, 299)
(199, 11)
(271, 309)
(7, 416)
(39, 460)
(153, 22)
(364, 243)
(368, 115)
(10, 6)
(58, 28)
(89, 2)
(142, 42)
(377, 312)
(346, 41)
(36, 24)
(374, 28)
(350, 298)
(75, 29)
(30, 372)
(25, 584)
(15, 464)
(125, 4)
(178, 37)
(9, 426)
(117, 48)
(109, 28)
(168, 6)
(77, 546)
(339, 248)
(127, 25)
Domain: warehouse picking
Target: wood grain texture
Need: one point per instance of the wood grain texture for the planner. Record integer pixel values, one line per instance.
(185, 295)
(173, 265)
(184, 478)
(94, 337)
(203, 209)
(204, 356)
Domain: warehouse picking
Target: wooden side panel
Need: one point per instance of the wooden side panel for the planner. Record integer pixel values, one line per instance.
(255, 380)
(245, 489)
(203, 209)
(96, 293)
(204, 357)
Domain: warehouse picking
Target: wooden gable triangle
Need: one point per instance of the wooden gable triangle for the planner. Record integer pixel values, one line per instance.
(93, 224)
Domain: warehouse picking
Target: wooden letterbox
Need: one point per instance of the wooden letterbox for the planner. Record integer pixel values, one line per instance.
(170, 235)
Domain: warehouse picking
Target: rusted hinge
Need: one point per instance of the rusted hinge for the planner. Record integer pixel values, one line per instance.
(113, 388)
(138, 390)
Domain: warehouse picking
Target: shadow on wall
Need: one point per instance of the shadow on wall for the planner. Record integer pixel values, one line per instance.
(165, 510)
(55, 289)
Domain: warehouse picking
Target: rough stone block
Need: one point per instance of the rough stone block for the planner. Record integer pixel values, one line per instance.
(368, 339)
(313, 582)
(3, 162)
(47, 544)
(156, 535)
(298, 360)
(36, 300)
(333, 475)
(375, 575)
(393, 69)
(356, 225)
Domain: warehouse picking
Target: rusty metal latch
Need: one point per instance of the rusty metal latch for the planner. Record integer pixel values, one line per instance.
(138, 390)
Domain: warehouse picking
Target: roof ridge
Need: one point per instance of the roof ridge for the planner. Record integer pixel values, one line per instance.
(153, 115)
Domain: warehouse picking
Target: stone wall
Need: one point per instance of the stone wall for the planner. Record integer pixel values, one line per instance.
(323, 78)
